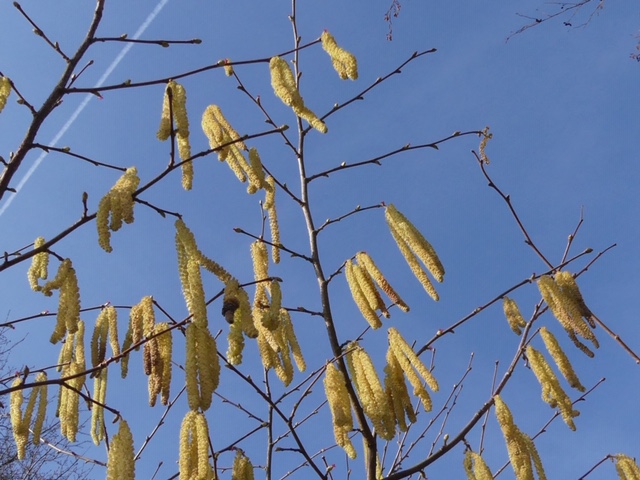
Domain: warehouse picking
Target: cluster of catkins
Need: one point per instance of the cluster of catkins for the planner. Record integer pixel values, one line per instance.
(387, 407)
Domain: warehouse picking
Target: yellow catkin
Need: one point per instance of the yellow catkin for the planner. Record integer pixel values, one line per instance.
(118, 205)
(359, 296)
(535, 456)
(255, 172)
(343, 62)
(285, 88)
(19, 426)
(565, 308)
(223, 137)
(402, 349)
(194, 294)
(187, 248)
(290, 336)
(626, 467)
(242, 468)
(270, 206)
(397, 392)
(486, 136)
(514, 317)
(194, 448)
(99, 339)
(202, 368)
(5, 90)
(568, 284)
(340, 406)
(235, 339)
(97, 411)
(39, 263)
(413, 263)
(561, 360)
(475, 467)
(228, 68)
(369, 265)
(68, 302)
(260, 259)
(369, 290)
(41, 392)
(516, 443)
(552, 392)
(372, 396)
(165, 346)
(179, 110)
(68, 402)
(416, 241)
(276, 302)
(120, 462)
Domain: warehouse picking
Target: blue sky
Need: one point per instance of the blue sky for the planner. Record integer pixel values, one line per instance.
(562, 105)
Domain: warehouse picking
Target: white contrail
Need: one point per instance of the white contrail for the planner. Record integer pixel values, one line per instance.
(84, 103)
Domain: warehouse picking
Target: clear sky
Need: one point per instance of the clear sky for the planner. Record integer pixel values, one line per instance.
(561, 102)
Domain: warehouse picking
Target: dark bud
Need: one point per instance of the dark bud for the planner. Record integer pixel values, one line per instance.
(229, 307)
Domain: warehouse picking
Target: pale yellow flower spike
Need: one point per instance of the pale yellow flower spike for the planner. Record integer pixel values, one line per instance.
(68, 302)
(270, 206)
(202, 367)
(514, 317)
(191, 368)
(194, 294)
(402, 349)
(565, 308)
(186, 248)
(187, 439)
(41, 392)
(626, 467)
(235, 338)
(369, 290)
(340, 406)
(368, 264)
(160, 368)
(39, 264)
(255, 172)
(288, 333)
(99, 339)
(372, 396)
(164, 131)
(260, 259)
(517, 446)
(552, 392)
(416, 241)
(568, 284)
(475, 467)
(5, 90)
(117, 203)
(558, 355)
(97, 411)
(535, 456)
(360, 298)
(20, 427)
(413, 263)
(219, 131)
(228, 68)
(285, 88)
(209, 367)
(179, 107)
(397, 392)
(242, 468)
(120, 463)
(343, 62)
(204, 467)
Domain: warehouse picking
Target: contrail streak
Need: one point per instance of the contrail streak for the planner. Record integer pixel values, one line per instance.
(84, 103)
